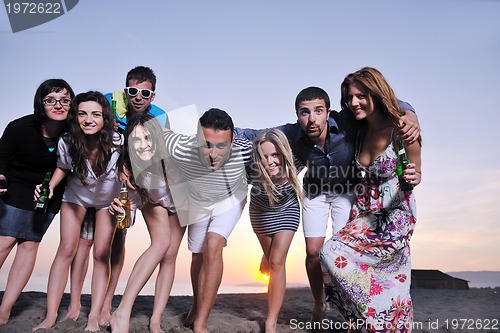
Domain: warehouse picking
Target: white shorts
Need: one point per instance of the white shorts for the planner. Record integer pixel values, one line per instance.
(220, 217)
(316, 211)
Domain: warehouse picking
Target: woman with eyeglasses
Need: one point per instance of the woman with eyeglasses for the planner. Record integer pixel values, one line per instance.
(28, 149)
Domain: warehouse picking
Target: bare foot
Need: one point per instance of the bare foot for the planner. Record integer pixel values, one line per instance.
(264, 265)
(155, 327)
(104, 318)
(318, 314)
(73, 313)
(270, 327)
(46, 324)
(4, 318)
(189, 320)
(92, 324)
(200, 329)
(119, 324)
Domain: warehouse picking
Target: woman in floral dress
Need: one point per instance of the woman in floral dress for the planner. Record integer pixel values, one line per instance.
(367, 263)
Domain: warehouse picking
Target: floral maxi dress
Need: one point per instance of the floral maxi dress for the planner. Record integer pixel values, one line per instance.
(367, 265)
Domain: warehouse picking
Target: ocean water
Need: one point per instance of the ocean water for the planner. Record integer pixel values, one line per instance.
(39, 283)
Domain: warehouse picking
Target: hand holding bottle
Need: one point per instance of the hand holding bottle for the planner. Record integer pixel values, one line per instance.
(115, 207)
(38, 190)
(411, 175)
(43, 192)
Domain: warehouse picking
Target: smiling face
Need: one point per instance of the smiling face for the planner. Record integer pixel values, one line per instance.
(214, 147)
(141, 143)
(59, 110)
(90, 117)
(138, 103)
(274, 162)
(359, 101)
(313, 119)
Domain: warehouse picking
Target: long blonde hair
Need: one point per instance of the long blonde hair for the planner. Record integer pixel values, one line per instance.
(279, 140)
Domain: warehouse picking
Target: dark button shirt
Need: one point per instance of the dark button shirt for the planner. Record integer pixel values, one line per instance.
(330, 169)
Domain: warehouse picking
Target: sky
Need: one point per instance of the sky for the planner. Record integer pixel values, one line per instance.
(251, 58)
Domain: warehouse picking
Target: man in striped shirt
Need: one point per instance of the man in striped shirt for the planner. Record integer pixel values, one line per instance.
(214, 165)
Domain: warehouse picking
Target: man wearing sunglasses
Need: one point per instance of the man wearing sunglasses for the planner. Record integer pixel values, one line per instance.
(137, 97)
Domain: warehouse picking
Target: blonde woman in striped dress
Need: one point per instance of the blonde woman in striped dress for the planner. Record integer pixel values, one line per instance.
(274, 211)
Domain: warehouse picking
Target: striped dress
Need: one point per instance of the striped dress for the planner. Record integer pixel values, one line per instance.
(283, 216)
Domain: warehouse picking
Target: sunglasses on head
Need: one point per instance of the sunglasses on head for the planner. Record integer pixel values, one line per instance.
(145, 93)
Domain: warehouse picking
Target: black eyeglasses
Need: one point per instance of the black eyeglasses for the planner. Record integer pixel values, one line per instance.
(145, 93)
(53, 101)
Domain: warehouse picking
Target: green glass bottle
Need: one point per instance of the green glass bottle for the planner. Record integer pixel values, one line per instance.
(401, 166)
(43, 200)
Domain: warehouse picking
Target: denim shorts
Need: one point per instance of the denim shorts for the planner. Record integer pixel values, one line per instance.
(23, 224)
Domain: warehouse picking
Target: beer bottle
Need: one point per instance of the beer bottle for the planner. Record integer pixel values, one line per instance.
(124, 218)
(401, 166)
(43, 200)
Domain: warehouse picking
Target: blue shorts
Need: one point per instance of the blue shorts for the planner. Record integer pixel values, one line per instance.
(23, 224)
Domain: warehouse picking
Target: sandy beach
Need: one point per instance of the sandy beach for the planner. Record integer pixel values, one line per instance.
(474, 310)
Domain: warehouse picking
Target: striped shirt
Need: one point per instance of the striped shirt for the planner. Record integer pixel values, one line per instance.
(205, 184)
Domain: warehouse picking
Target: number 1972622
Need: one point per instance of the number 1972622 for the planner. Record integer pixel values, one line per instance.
(33, 8)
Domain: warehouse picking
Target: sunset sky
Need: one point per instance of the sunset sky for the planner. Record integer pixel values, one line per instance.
(251, 58)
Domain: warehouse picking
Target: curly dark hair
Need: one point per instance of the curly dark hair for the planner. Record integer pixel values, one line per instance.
(78, 143)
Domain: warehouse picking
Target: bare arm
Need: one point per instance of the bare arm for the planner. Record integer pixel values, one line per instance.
(413, 174)
(58, 175)
(409, 128)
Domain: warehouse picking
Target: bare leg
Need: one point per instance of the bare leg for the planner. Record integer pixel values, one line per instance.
(79, 268)
(277, 247)
(166, 275)
(156, 218)
(315, 275)
(19, 274)
(210, 279)
(71, 219)
(103, 237)
(196, 263)
(117, 261)
(7, 243)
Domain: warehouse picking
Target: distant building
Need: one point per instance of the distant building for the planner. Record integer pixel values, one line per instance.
(435, 279)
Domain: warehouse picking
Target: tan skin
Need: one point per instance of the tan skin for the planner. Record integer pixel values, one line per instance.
(207, 267)
(312, 117)
(166, 235)
(91, 122)
(136, 104)
(275, 246)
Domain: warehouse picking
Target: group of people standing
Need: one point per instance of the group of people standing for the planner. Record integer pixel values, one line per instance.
(201, 182)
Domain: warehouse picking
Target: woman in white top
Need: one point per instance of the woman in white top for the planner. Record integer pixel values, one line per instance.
(88, 154)
(144, 159)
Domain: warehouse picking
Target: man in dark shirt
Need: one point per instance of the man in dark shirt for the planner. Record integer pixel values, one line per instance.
(324, 142)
